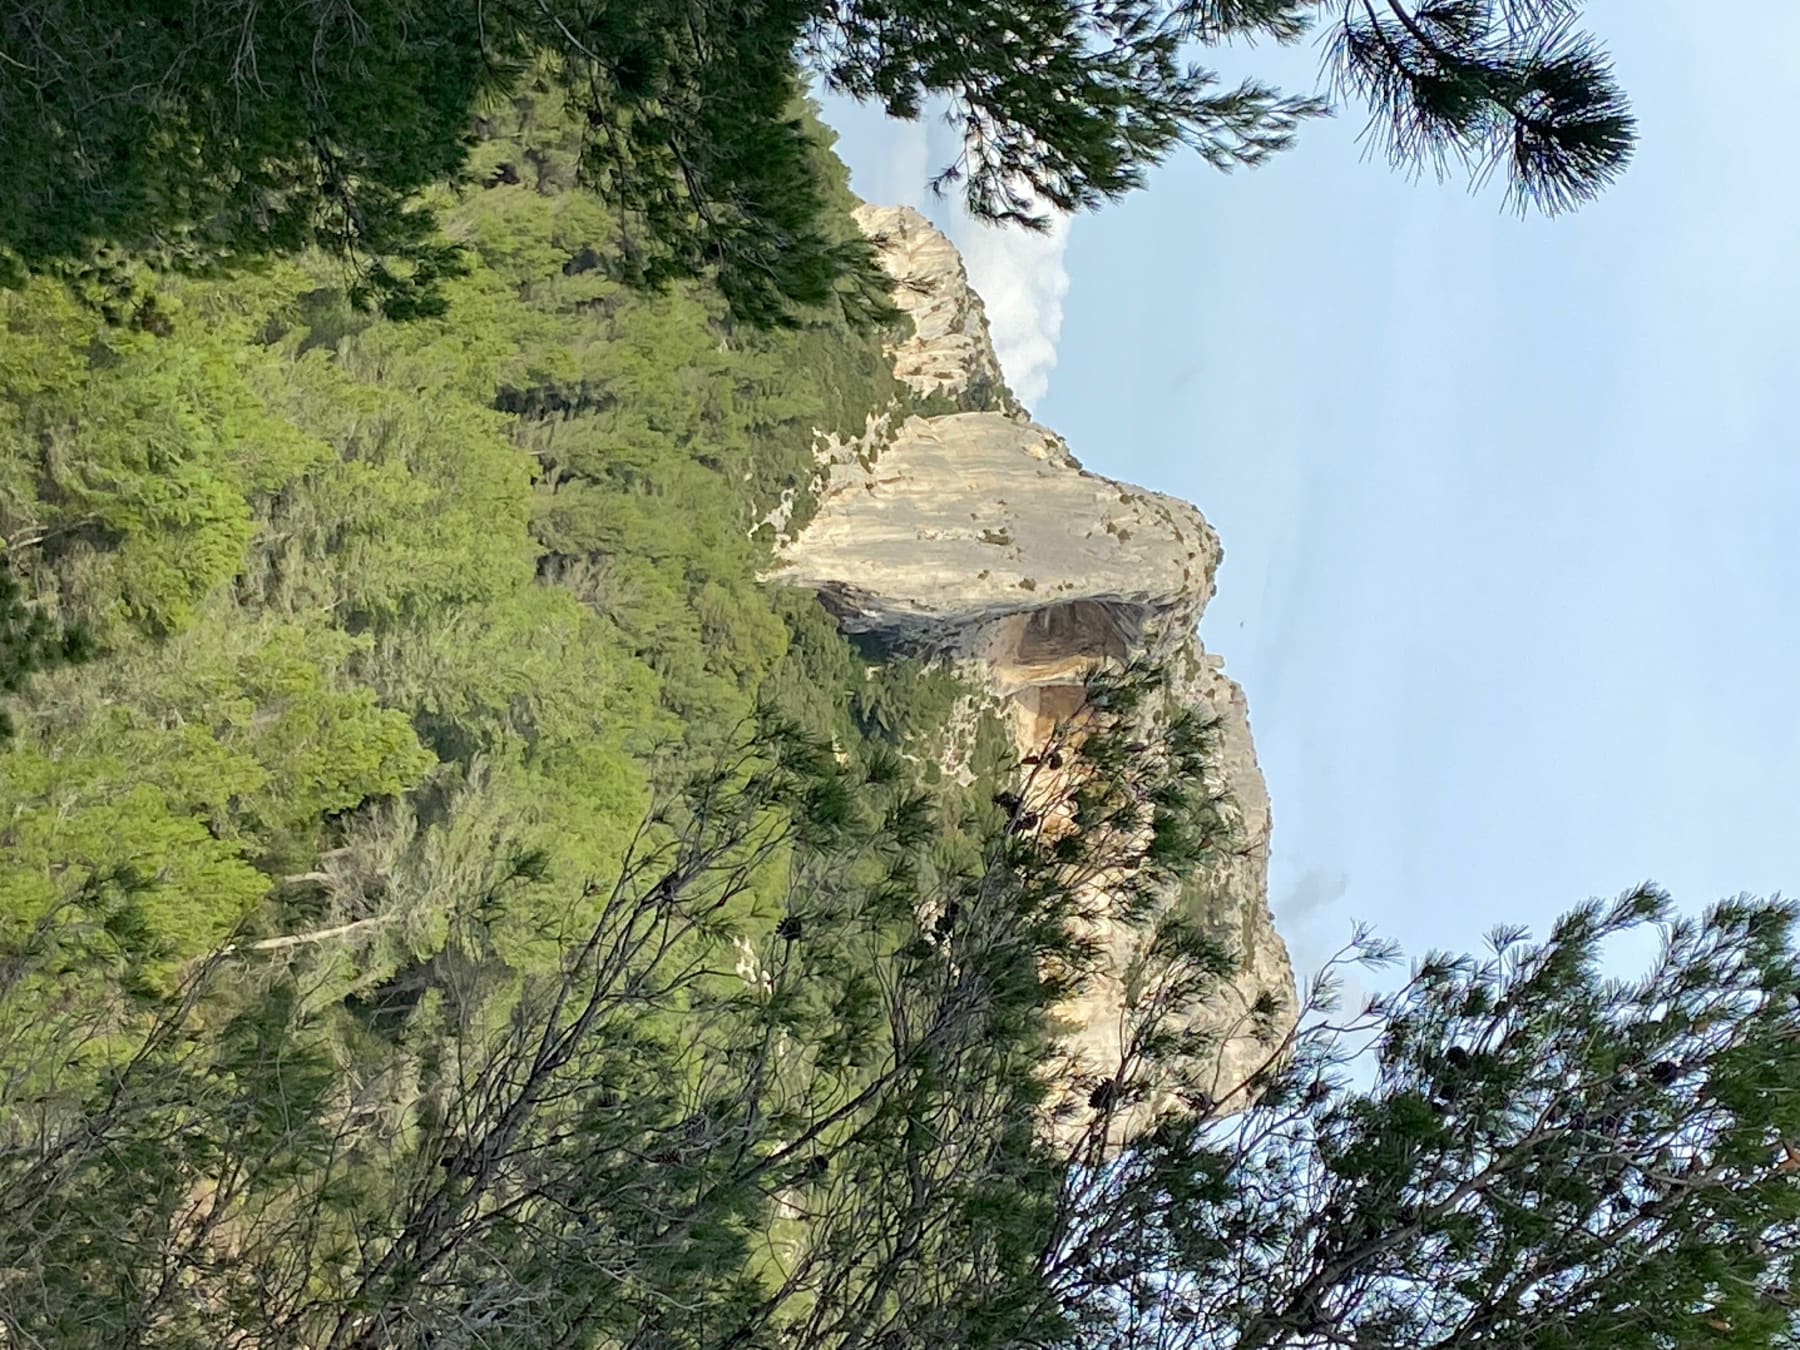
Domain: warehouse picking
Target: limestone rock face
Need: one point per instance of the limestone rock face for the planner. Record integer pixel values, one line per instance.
(949, 352)
(978, 536)
(969, 518)
(1236, 892)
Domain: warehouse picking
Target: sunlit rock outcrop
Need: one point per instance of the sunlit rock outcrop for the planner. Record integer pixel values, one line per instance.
(949, 352)
(975, 534)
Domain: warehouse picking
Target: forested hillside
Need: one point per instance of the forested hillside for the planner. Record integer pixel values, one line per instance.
(447, 900)
(358, 584)
(422, 831)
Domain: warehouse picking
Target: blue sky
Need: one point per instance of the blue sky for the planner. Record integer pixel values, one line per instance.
(1511, 509)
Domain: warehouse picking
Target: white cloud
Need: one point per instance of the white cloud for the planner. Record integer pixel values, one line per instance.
(1023, 278)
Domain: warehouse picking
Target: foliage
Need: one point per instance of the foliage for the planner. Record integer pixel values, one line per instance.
(342, 573)
(203, 135)
(132, 454)
(1544, 1156)
(1492, 87)
(30, 642)
(733, 1116)
(723, 1115)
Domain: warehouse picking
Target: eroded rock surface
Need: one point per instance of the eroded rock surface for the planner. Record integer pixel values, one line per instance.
(968, 518)
(977, 535)
(950, 352)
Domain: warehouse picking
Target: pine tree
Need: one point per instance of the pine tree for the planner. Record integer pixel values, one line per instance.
(1513, 89)
(1544, 1156)
(272, 134)
(839, 1142)
(30, 642)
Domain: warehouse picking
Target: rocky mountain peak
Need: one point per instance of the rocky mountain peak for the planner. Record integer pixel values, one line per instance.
(978, 535)
(949, 353)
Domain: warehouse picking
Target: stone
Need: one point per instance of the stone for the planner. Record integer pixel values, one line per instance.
(977, 536)
(949, 352)
(969, 518)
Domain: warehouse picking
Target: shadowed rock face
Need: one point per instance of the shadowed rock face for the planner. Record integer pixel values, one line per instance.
(979, 536)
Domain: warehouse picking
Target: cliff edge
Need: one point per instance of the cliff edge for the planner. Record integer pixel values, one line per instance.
(977, 535)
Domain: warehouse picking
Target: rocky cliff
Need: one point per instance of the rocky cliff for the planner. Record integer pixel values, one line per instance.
(977, 535)
(949, 351)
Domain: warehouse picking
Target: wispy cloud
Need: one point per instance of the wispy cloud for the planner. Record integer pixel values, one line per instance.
(1310, 893)
(1023, 278)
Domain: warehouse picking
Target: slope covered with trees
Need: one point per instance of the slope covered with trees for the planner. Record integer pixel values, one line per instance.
(481, 568)
(202, 133)
(445, 900)
(363, 669)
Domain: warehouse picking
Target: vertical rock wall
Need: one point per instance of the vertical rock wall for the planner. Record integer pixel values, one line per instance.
(977, 534)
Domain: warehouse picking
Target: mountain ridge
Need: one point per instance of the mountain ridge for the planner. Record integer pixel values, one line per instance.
(972, 532)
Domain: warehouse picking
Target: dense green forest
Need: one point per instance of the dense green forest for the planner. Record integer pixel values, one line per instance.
(361, 671)
(343, 573)
(453, 901)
